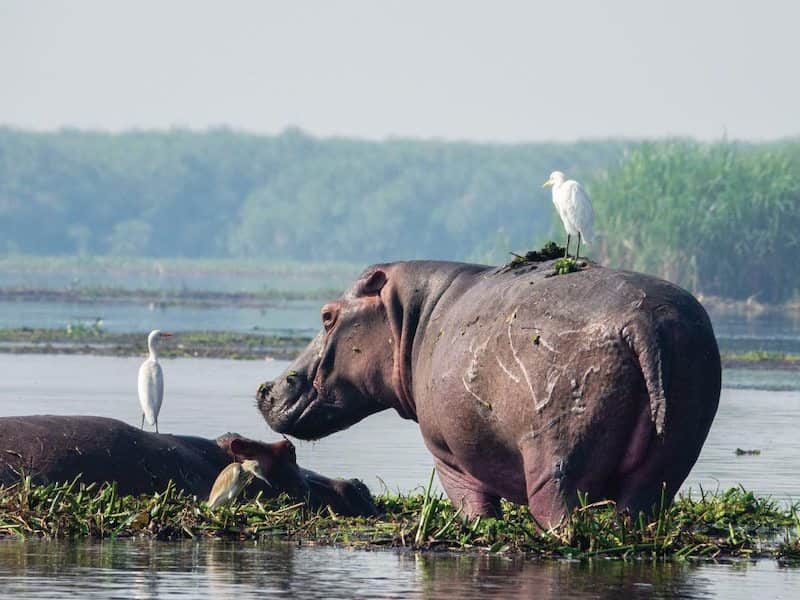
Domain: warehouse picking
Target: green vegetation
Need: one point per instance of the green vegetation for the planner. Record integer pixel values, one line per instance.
(565, 265)
(732, 523)
(92, 339)
(722, 219)
(223, 193)
(760, 359)
(549, 251)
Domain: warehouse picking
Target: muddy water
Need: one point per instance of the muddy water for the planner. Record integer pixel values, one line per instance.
(206, 397)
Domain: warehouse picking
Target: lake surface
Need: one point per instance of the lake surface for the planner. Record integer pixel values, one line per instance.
(736, 333)
(209, 396)
(145, 569)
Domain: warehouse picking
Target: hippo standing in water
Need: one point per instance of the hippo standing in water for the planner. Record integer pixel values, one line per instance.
(526, 386)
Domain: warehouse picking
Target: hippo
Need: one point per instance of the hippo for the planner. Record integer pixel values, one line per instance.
(526, 384)
(98, 449)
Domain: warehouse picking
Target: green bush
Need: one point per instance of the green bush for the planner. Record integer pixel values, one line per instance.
(721, 218)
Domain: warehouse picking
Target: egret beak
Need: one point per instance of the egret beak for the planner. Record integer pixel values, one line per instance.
(166, 334)
(547, 183)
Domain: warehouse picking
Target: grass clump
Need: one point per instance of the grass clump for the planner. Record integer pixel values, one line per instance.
(565, 265)
(731, 523)
(550, 251)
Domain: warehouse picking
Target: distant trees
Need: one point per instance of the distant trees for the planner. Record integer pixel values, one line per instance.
(223, 193)
(718, 218)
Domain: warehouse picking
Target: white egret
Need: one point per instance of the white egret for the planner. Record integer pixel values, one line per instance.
(151, 381)
(232, 480)
(574, 207)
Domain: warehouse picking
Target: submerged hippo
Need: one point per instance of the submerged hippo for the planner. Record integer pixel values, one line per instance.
(60, 448)
(526, 386)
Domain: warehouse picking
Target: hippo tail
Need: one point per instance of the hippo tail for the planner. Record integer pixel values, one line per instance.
(646, 341)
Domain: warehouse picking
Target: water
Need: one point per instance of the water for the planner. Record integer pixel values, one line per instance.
(155, 274)
(207, 396)
(210, 396)
(735, 333)
(136, 569)
(298, 317)
(770, 332)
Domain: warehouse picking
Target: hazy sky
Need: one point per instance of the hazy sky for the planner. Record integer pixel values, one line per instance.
(492, 70)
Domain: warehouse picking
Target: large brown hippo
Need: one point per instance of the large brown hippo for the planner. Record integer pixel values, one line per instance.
(527, 385)
(60, 448)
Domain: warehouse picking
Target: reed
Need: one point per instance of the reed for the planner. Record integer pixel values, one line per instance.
(733, 523)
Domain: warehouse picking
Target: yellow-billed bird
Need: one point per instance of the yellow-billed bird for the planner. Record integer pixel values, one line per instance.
(232, 480)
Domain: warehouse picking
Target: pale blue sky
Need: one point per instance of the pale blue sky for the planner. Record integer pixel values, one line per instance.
(500, 70)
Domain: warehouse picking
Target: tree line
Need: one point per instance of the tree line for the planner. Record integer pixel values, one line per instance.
(721, 218)
(225, 193)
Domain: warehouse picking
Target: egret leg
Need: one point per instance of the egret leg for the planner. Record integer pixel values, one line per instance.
(578, 253)
(142, 420)
(566, 250)
(156, 425)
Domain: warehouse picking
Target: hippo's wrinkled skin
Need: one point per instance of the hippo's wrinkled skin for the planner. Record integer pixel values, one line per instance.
(526, 386)
(60, 448)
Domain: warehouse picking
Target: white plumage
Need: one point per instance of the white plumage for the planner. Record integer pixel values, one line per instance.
(574, 207)
(151, 381)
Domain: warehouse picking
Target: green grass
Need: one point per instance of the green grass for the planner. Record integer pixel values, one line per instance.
(565, 265)
(730, 523)
(756, 356)
(93, 339)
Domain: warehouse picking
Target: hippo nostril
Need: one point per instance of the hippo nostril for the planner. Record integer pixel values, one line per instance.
(263, 391)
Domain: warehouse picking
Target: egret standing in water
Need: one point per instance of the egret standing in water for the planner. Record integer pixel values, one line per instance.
(232, 480)
(574, 207)
(151, 381)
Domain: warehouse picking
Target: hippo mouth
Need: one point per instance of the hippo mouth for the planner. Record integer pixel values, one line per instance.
(305, 413)
(284, 415)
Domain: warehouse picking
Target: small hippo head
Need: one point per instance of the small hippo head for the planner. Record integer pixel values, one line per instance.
(346, 372)
(277, 463)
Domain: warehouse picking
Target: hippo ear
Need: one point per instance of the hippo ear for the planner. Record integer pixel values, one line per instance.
(371, 284)
(242, 448)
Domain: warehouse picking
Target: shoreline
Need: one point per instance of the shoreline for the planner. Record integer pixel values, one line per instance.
(714, 305)
(88, 340)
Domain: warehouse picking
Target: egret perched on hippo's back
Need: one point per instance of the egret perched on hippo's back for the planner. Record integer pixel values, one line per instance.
(574, 207)
(151, 380)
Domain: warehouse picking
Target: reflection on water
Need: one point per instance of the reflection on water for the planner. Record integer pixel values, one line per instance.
(144, 569)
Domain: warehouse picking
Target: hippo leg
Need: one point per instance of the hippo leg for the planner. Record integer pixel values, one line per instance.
(547, 501)
(467, 492)
(550, 491)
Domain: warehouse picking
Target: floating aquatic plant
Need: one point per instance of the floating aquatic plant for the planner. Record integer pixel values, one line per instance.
(733, 523)
(565, 265)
